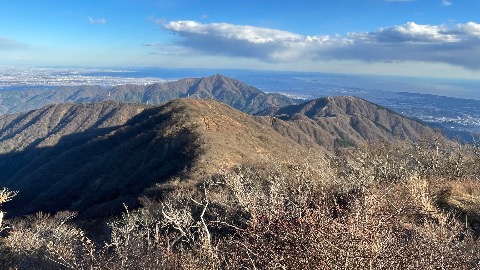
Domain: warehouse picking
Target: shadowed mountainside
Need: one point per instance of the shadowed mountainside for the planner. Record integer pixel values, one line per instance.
(92, 158)
(344, 121)
(48, 125)
(232, 92)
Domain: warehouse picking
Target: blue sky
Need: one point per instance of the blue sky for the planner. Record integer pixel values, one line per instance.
(395, 37)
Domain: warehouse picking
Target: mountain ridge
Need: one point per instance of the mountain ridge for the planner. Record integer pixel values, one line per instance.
(348, 120)
(230, 91)
(95, 166)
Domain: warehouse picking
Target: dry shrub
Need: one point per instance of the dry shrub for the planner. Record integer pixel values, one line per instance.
(186, 229)
(399, 161)
(167, 235)
(387, 228)
(43, 241)
(374, 207)
(257, 188)
(294, 218)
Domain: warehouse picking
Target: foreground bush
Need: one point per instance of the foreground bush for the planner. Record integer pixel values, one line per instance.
(47, 242)
(382, 207)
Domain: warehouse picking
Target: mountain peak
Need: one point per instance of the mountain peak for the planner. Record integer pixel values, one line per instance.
(349, 120)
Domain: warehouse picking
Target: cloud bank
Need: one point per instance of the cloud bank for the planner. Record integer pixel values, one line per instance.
(457, 45)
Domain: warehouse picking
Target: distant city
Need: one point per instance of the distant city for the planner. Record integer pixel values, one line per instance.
(27, 77)
(451, 105)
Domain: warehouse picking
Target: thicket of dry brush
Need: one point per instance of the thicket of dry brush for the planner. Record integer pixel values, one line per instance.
(403, 206)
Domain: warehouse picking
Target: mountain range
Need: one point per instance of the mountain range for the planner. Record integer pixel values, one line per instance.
(95, 157)
(233, 92)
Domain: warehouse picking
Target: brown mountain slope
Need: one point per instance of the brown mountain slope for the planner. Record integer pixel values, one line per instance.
(94, 157)
(342, 121)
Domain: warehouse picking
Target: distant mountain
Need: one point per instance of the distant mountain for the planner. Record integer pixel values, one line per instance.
(218, 87)
(344, 121)
(92, 158)
(31, 99)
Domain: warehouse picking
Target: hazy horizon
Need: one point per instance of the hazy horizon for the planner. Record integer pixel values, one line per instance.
(293, 81)
(438, 38)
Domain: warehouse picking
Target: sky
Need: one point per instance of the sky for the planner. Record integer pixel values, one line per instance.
(425, 38)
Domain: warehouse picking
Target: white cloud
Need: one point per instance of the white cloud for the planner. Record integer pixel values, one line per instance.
(97, 21)
(446, 3)
(457, 45)
(10, 44)
(156, 20)
(229, 31)
(412, 32)
(469, 29)
(236, 40)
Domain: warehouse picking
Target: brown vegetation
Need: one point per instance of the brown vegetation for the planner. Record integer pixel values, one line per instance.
(374, 207)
